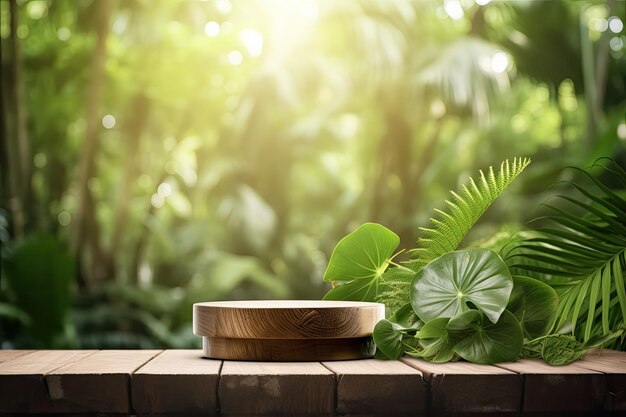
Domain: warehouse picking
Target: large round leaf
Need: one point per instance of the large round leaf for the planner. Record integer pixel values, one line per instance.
(493, 343)
(363, 254)
(534, 304)
(445, 286)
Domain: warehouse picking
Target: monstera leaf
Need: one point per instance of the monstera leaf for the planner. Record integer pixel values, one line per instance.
(453, 282)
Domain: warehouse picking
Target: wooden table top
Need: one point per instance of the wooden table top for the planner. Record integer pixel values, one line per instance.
(181, 382)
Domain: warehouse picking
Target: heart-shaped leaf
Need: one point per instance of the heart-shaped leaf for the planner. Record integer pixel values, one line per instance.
(361, 259)
(446, 286)
(534, 304)
(363, 254)
(493, 343)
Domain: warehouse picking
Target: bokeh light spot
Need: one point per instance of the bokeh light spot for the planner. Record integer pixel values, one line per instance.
(235, 58)
(615, 24)
(599, 24)
(212, 29)
(64, 34)
(164, 190)
(40, 160)
(157, 201)
(108, 121)
(253, 41)
(453, 9)
(64, 218)
(616, 43)
(499, 62)
(621, 131)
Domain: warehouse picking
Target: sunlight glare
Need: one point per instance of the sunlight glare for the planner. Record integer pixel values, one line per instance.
(483, 2)
(253, 41)
(453, 9)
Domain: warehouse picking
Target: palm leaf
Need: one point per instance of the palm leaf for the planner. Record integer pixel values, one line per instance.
(463, 210)
(585, 253)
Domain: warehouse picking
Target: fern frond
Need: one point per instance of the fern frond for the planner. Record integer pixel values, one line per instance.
(584, 254)
(463, 209)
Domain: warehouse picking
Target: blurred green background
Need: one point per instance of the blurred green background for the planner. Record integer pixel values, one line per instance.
(160, 153)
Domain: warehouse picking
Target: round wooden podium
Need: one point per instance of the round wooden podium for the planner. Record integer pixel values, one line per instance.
(292, 330)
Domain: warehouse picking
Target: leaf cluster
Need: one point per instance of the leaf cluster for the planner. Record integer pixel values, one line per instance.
(467, 304)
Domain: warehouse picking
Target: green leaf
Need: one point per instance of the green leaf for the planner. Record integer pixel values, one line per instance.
(434, 328)
(361, 258)
(583, 251)
(435, 342)
(406, 317)
(465, 321)
(39, 272)
(357, 290)
(534, 305)
(493, 343)
(363, 254)
(445, 286)
(463, 210)
(562, 350)
(388, 339)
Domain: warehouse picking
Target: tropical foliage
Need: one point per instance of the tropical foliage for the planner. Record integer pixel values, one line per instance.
(582, 252)
(155, 154)
(467, 305)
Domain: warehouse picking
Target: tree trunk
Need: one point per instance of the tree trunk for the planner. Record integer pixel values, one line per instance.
(85, 215)
(16, 158)
(140, 110)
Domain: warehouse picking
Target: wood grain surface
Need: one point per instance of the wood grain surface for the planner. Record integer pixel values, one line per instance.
(176, 381)
(374, 386)
(7, 354)
(569, 388)
(99, 382)
(462, 387)
(275, 388)
(291, 319)
(286, 350)
(182, 383)
(23, 387)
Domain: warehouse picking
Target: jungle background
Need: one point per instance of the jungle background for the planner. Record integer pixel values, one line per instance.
(160, 153)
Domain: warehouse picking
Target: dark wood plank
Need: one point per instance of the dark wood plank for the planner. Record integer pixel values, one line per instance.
(22, 384)
(462, 387)
(613, 365)
(98, 382)
(570, 388)
(176, 381)
(378, 387)
(257, 388)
